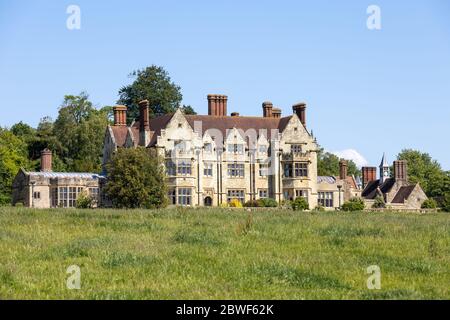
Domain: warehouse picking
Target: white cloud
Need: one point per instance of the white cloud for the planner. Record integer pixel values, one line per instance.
(351, 154)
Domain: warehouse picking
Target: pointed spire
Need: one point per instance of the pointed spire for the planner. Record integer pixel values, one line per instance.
(384, 163)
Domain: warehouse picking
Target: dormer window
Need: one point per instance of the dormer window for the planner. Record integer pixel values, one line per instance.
(263, 149)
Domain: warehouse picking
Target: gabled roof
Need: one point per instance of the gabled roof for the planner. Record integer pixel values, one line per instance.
(120, 135)
(403, 194)
(370, 191)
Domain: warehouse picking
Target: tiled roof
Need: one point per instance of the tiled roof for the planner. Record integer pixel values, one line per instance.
(120, 134)
(370, 188)
(222, 123)
(245, 123)
(69, 175)
(403, 194)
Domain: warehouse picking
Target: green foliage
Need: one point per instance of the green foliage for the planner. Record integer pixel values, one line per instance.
(136, 179)
(188, 110)
(245, 227)
(379, 203)
(429, 204)
(80, 130)
(354, 204)
(426, 171)
(252, 204)
(300, 204)
(268, 203)
(13, 156)
(84, 201)
(446, 203)
(153, 84)
(328, 165)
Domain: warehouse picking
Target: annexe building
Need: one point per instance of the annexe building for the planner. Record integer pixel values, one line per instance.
(47, 189)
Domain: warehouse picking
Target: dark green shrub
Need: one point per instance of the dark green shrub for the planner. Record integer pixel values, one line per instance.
(300, 204)
(252, 204)
(268, 203)
(354, 204)
(446, 203)
(379, 203)
(429, 204)
(319, 208)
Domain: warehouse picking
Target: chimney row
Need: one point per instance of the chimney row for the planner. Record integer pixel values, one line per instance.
(300, 110)
(120, 116)
(217, 105)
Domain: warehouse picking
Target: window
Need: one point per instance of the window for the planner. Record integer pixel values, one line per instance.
(288, 194)
(171, 169)
(94, 194)
(236, 194)
(72, 197)
(184, 196)
(184, 168)
(301, 169)
(288, 170)
(37, 195)
(326, 199)
(263, 149)
(296, 148)
(236, 148)
(63, 197)
(180, 146)
(208, 147)
(301, 193)
(54, 195)
(263, 169)
(172, 195)
(236, 170)
(208, 169)
(263, 193)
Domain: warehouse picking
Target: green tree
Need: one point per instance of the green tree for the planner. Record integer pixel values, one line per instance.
(80, 130)
(13, 156)
(154, 84)
(136, 179)
(328, 165)
(426, 171)
(188, 110)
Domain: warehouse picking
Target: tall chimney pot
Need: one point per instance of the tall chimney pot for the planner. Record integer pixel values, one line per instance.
(144, 119)
(401, 170)
(368, 174)
(46, 160)
(217, 105)
(343, 169)
(267, 109)
(300, 110)
(120, 116)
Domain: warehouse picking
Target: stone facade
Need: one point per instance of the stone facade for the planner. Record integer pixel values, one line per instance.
(211, 159)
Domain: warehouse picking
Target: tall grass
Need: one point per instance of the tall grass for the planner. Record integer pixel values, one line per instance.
(222, 253)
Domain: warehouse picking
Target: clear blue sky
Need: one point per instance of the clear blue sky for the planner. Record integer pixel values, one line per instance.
(371, 91)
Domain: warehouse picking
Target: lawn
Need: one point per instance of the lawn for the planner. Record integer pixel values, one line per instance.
(222, 254)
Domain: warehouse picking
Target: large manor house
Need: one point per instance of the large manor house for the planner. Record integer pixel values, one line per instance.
(214, 158)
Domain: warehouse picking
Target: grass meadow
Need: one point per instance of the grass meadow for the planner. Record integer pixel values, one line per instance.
(222, 254)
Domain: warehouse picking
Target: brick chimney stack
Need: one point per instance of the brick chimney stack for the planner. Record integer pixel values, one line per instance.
(401, 170)
(276, 113)
(120, 116)
(343, 169)
(46, 160)
(300, 110)
(267, 109)
(368, 174)
(144, 119)
(217, 105)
